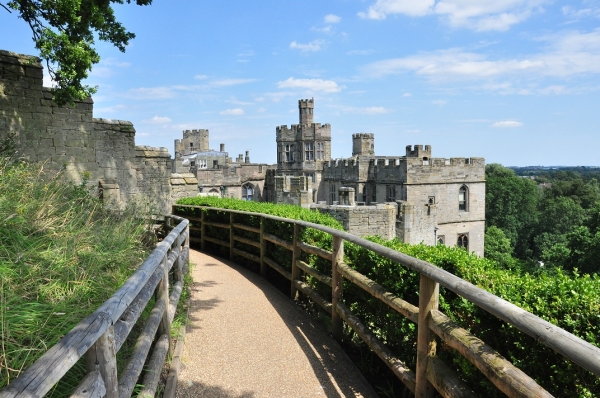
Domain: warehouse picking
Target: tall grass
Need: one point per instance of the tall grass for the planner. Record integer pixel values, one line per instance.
(62, 254)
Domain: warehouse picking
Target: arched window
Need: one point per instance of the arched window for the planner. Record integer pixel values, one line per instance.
(463, 241)
(463, 198)
(247, 192)
(441, 240)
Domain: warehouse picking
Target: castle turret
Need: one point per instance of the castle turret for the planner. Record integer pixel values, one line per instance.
(418, 152)
(306, 107)
(363, 144)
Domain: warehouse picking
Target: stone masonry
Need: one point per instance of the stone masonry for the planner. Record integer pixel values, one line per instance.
(70, 137)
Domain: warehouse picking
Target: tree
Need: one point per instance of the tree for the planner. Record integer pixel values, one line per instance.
(511, 205)
(497, 247)
(63, 32)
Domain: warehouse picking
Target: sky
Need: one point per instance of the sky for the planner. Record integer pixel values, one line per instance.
(516, 82)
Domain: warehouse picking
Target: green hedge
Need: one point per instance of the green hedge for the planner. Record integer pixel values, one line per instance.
(570, 302)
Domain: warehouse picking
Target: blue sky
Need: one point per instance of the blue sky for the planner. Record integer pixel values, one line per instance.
(514, 81)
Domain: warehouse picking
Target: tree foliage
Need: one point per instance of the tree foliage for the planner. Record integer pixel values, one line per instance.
(64, 32)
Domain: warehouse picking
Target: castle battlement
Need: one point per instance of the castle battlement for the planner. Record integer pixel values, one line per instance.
(418, 151)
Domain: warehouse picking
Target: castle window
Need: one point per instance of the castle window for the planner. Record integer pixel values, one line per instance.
(364, 194)
(320, 151)
(309, 151)
(289, 152)
(431, 200)
(441, 240)
(247, 192)
(215, 164)
(333, 193)
(463, 241)
(463, 198)
(193, 163)
(391, 193)
(191, 145)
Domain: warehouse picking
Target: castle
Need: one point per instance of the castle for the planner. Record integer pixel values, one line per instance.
(414, 197)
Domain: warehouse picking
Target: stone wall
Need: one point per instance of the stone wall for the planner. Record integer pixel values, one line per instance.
(364, 220)
(69, 137)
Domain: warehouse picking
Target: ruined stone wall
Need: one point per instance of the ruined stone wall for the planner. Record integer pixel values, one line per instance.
(364, 220)
(101, 150)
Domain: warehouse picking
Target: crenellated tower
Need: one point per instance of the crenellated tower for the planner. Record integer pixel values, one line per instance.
(363, 144)
(305, 109)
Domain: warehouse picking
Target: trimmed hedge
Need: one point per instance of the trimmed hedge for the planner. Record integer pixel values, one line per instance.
(570, 302)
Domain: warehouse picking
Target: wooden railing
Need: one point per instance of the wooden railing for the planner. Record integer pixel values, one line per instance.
(100, 336)
(430, 373)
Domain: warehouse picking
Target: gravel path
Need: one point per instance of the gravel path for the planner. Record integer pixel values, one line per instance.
(246, 339)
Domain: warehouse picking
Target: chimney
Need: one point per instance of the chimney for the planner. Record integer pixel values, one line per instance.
(222, 148)
(247, 160)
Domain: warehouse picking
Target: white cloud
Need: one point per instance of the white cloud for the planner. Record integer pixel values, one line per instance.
(200, 77)
(369, 110)
(231, 82)
(151, 93)
(439, 102)
(157, 120)
(479, 15)
(235, 112)
(359, 52)
(413, 131)
(406, 95)
(331, 18)
(327, 86)
(314, 45)
(507, 123)
(566, 54)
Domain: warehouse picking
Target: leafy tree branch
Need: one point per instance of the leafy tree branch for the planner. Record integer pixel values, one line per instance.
(64, 32)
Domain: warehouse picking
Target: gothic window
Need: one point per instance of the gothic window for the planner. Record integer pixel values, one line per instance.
(247, 192)
(463, 198)
(320, 151)
(333, 193)
(309, 151)
(463, 241)
(391, 193)
(441, 240)
(289, 152)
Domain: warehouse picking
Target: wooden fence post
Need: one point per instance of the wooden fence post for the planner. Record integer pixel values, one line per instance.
(428, 300)
(231, 235)
(162, 292)
(295, 257)
(202, 230)
(263, 249)
(336, 287)
(102, 356)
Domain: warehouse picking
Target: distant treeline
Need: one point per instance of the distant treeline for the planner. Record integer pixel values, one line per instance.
(550, 215)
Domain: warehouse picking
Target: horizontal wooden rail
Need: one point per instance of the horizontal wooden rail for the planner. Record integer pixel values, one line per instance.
(246, 241)
(277, 241)
(216, 224)
(96, 338)
(313, 272)
(246, 228)
(315, 250)
(431, 372)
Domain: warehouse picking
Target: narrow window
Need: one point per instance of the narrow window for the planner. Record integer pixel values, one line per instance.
(391, 193)
(215, 164)
(463, 241)
(333, 193)
(431, 200)
(309, 151)
(320, 151)
(247, 192)
(193, 163)
(463, 195)
(441, 240)
(289, 152)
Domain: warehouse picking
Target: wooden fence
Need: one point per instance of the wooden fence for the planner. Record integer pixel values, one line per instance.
(99, 337)
(430, 373)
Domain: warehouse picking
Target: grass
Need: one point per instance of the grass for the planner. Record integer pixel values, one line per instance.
(62, 254)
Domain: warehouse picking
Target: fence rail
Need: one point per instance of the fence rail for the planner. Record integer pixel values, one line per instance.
(431, 373)
(99, 337)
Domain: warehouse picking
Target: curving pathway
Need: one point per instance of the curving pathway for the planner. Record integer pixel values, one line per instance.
(246, 339)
